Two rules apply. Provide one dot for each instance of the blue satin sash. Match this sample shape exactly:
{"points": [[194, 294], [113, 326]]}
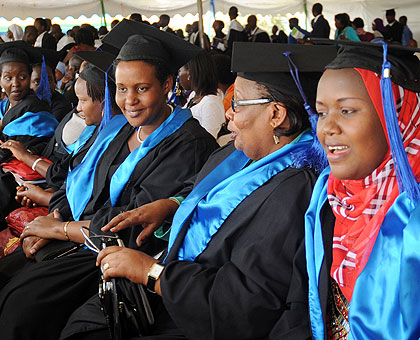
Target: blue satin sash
{"points": [[80, 180], [124, 171], [385, 298], [35, 124], [3, 107], [81, 141], [315, 251], [222, 190]]}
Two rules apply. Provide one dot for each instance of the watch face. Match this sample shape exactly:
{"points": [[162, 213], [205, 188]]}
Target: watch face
{"points": [[156, 270]]}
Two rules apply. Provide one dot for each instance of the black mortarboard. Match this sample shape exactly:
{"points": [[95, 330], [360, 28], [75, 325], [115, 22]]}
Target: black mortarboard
{"points": [[267, 64], [155, 44], [51, 57], [390, 11], [17, 51], [405, 66], [395, 64], [98, 63]]}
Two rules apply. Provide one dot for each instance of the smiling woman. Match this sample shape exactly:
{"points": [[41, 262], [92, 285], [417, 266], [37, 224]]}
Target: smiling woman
{"points": [[363, 221]]}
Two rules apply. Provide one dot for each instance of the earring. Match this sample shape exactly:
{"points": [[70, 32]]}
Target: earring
{"points": [[189, 78], [276, 139]]}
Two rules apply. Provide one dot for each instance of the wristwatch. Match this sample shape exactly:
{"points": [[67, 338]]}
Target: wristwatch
{"points": [[153, 275]]}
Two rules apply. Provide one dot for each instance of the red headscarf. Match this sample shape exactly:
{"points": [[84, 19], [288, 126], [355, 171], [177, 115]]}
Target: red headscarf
{"points": [[360, 206]]}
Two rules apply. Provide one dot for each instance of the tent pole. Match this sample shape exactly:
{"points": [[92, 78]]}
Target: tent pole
{"points": [[200, 22], [103, 12], [305, 8]]}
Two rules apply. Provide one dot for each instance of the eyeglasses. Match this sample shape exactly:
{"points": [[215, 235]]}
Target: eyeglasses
{"points": [[105, 239], [245, 102]]}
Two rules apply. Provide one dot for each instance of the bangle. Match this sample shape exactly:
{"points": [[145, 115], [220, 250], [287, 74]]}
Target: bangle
{"points": [[34, 164], [65, 230]]}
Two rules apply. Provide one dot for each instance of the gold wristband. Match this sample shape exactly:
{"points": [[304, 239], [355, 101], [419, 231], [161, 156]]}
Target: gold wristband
{"points": [[65, 230]]}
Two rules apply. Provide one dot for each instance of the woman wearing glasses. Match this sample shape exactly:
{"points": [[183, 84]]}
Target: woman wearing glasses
{"points": [[235, 267], [136, 158]]}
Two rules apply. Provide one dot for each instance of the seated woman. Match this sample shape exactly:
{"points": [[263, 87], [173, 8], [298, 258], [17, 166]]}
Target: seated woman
{"points": [[236, 250], [362, 225], [344, 29], [200, 76], [129, 164], [24, 118]]}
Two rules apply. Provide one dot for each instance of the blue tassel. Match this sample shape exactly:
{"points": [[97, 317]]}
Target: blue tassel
{"points": [[315, 157], [406, 180], [107, 115], [176, 93], [43, 91]]}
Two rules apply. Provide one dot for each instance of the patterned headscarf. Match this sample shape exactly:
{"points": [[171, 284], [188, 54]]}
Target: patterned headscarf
{"points": [[360, 206]]}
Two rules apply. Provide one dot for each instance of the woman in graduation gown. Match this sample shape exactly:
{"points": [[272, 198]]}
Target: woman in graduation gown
{"points": [[128, 165], [362, 226], [235, 267]]}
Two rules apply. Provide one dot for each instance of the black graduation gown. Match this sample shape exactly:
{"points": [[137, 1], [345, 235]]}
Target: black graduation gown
{"points": [[38, 299], [320, 28], [30, 103], [394, 32], [60, 106], [249, 283]]}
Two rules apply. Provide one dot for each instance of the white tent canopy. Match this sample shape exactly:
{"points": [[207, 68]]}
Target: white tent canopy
{"points": [[367, 9]]}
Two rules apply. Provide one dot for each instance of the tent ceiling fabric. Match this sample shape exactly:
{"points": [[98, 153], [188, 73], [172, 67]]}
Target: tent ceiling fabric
{"points": [[367, 9]]}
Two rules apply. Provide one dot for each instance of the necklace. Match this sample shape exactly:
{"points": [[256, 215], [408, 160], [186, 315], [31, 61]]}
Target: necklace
{"points": [[138, 135], [139, 130]]}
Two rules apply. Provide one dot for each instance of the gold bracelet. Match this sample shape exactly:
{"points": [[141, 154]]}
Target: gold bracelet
{"points": [[65, 230]]}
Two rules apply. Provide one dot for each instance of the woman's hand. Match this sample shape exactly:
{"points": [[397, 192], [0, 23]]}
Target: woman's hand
{"points": [[32, 195], [125, 262], [16, 148], [32, 244], [149, 216], [46, 227]]}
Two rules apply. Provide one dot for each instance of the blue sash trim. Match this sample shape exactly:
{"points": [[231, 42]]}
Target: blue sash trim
{"points": [[80, 180], [315, 251], [35, 124], [385, 298], [3, 107], [81, 141], [220, 192], [166, 129]]}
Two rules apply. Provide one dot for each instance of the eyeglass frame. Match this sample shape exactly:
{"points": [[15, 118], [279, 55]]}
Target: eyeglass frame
{"points": [[245, 102], [92, 246]]}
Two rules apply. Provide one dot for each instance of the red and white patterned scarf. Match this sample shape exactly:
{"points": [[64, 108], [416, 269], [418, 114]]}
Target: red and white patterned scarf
{"points": [[360, 206]]}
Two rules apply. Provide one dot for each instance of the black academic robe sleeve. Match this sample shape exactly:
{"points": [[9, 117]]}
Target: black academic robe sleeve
{"points": [[36, 144], [48, 41], [250, 282], [160, 174]]}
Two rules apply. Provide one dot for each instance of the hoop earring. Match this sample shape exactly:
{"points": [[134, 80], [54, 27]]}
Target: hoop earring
{"points": [[276, 139]]}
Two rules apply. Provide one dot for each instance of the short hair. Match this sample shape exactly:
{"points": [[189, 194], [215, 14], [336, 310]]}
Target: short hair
{"points": [[224, 74], [294, 20], [165, 18], [114, 22], [136, 17], [298, 117], [203, 74], [221, 23], [317, 8], [31, 29], [233, 11], [103, 30], [403, 20], [85, 36], [358, 23], [97, 93], [42, 22]]}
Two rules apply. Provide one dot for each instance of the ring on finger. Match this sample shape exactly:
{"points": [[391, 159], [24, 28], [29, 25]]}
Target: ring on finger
{"points": [[106, 266]]}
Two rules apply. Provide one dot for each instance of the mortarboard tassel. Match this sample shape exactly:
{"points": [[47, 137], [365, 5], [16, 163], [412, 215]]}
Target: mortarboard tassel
{"points": [[406, 180], [176, 94], [315, 157], [107, 103], [43, 91]]}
